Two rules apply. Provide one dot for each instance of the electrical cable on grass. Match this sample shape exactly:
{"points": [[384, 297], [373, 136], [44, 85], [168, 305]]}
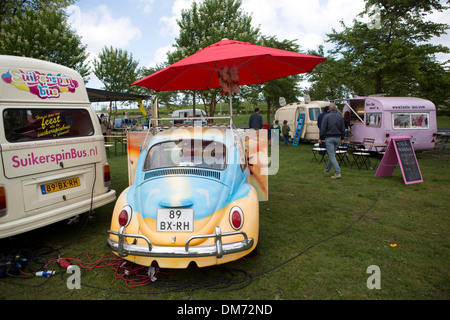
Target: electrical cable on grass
{"points": [[137, 276]]}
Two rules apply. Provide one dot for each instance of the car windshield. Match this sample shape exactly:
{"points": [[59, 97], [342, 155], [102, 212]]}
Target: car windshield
{"points": [[186, 153]]}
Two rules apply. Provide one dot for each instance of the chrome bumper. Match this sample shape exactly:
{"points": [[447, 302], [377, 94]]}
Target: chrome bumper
{"points": [[124, 249]]}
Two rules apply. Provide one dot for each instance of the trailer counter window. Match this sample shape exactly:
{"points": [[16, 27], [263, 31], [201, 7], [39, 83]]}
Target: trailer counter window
{"points": [[410, 120], [22, 124]]}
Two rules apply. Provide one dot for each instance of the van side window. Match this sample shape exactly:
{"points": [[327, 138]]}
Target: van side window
{"points": [[22, 124], [410, 120], [373, 120]]}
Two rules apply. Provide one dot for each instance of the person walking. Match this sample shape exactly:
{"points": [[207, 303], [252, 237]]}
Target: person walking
{"points": [[256, 120], [332, 131], [319, 123]]}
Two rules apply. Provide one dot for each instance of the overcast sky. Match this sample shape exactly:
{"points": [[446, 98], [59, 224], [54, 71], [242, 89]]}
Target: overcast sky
{"points": [[147, 28]]}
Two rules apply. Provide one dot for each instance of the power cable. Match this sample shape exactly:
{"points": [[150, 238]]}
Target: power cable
{"points": [[228, 280]]}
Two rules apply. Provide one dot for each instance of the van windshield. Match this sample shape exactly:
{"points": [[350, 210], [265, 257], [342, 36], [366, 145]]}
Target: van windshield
{"points": [[186, 153], [26, 124]]}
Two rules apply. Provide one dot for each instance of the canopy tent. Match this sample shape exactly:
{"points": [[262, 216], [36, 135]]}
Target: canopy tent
{"points": [[97, 95]]}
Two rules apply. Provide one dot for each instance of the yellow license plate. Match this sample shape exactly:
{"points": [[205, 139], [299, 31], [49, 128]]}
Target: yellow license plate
{"points": [[60, 185]]}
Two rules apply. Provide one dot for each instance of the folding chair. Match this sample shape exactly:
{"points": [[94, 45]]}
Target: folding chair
{"points": [[361, 159], [318, 151], [362, 147], [342, 152]]}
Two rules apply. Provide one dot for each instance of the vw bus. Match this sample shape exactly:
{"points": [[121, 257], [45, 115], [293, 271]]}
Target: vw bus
{"points": [[291, 113], [52, 149], [182, 116], [381, 118]]}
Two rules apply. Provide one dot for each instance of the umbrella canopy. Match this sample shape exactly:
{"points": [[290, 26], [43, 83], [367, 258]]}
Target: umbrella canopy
{"points": [[228, 64]]}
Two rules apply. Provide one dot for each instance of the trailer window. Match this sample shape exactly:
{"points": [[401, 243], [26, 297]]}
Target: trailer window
{"points": [[314, 114], [373, 120], [410, 121], [22, 124]]}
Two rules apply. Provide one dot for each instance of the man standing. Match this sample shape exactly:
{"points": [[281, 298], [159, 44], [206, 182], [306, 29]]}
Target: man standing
{"points": [[256, 120], [323, 114], [332, 130]]}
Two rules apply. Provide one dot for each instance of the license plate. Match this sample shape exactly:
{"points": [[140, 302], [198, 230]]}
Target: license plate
{"points": [[175, 220], [60, 185]]}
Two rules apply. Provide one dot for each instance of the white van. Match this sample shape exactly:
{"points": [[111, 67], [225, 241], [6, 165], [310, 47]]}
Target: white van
{"points": [[291, 113], [179, 116], [52, 149]]}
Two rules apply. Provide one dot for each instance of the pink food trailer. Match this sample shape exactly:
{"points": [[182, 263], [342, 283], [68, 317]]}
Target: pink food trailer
{"points": [[381, 118]]}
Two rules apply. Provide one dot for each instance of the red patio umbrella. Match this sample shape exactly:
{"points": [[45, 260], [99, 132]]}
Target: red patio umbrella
{"points": [[228, 64]]}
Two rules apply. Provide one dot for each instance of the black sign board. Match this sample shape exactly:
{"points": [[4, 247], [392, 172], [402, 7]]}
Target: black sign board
{"points": [[400, 150], [408, 161]]}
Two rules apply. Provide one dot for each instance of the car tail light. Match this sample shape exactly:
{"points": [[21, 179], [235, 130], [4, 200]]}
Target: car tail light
{"points": [[125, 216], [236, 218], [106, 175], [2, 201]]}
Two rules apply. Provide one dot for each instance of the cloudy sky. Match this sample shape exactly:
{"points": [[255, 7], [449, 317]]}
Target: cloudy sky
{"points": [[147, 28]]}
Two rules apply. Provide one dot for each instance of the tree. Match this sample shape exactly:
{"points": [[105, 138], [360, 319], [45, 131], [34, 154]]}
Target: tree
{"points": [[207, 23], [328, 78], [41, 33], [116, 68], [12, 8], [394, 56]]}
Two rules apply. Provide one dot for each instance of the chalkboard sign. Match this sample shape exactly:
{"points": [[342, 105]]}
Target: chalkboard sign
{"points": [[408, 161], [400, 150]]}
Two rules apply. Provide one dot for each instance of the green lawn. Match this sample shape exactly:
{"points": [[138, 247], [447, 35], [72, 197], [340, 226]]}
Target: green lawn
{"points": [[305, 253]]}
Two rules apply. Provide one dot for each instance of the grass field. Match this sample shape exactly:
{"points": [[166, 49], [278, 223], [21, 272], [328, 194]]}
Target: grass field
{"points": [[318, 237]]}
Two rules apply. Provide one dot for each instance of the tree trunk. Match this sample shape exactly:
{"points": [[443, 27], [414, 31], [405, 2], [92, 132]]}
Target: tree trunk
{"points": [[268, 110]]}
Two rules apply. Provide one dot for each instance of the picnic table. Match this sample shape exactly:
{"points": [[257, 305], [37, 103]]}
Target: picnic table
{"points": [[113, 140], [443, 140]]}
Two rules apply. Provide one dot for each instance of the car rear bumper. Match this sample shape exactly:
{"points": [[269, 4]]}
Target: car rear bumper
{"points": [[123, 249]]}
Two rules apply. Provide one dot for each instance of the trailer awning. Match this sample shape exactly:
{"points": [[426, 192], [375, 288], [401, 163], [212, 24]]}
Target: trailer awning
{"points": [[97, 95]]}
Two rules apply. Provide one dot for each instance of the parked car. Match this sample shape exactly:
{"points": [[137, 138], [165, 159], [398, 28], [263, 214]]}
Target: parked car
{"points": [[191, 201]]}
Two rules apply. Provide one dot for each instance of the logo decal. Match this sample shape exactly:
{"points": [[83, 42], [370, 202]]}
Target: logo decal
{"points": [[45, 86]]}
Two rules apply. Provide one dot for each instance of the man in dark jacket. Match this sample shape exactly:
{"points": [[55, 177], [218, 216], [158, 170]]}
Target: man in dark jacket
{"points": [[319, 123], [332, 130], [256, 120]]}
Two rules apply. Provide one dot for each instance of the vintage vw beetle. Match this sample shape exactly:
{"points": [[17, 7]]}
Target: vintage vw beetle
{"points": [[191, 201]]}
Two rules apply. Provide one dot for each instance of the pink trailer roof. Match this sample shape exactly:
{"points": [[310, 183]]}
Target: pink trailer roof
{"points": [[400, 103]]}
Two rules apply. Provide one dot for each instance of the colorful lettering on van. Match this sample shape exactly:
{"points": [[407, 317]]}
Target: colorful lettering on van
{"points": [[45, 86], [31, 159]]}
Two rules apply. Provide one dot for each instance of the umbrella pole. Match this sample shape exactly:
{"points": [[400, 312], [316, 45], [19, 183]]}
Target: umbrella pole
{"points": [[231, 109]]}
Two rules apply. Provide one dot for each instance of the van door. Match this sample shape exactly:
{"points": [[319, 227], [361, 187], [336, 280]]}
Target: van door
{"points": [[52, 153]]}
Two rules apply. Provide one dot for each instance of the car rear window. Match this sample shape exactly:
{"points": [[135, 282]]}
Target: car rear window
{"points": [[186, 153], [24, 124]]}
